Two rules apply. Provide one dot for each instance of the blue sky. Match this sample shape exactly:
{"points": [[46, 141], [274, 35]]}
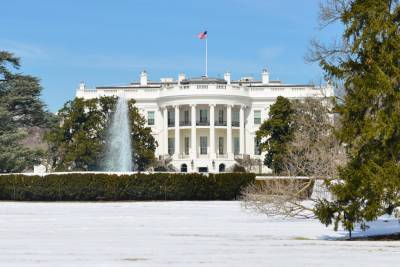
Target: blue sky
{"points": [[110, 42]]}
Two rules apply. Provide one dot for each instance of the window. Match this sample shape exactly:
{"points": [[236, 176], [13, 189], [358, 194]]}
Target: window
{"points": [[236, 145], [203, 115], [235, 118], [171, 117], [150, 117], [171, 146], [183, 168], [220, 145], [221, 167], [203, 145], [257, 149], [221, 116], [186, 117], [257, 116], [186, 145]]}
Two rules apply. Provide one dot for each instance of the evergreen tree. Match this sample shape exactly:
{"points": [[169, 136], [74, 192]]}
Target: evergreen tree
{"points": [[367, 64], [20, 109], [276, 132], [143, 142], [78, 143]]}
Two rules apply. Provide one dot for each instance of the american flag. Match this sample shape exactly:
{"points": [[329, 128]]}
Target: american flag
{"points": [[202, 35]]}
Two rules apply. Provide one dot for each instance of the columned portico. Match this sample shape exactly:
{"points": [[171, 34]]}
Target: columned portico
{"points": [[203, 126], [214, 132]]}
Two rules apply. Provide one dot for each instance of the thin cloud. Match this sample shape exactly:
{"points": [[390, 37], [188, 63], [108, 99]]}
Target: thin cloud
{"points": [[271, 53], [23, 50]]}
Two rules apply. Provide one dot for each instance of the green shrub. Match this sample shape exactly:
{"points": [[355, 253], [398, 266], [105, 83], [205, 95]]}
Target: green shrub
{"points": [[156, 186], [238, 168]]}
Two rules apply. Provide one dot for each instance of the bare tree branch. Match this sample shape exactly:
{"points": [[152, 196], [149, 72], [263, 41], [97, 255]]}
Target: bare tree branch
{"points": [[314, 152], [331, 11]]}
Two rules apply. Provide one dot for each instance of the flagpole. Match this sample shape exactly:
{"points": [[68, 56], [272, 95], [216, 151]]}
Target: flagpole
{"points": [[206, 54]]}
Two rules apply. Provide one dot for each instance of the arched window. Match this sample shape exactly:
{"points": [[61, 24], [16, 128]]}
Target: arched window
{"points": [[183, 168], [221, 167]]}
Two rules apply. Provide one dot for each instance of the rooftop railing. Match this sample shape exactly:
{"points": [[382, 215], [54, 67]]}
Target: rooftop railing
{"points": [[156, 91]]}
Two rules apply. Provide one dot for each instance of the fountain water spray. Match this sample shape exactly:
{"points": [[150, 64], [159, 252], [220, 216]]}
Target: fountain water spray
{"points": [[118, 157]]}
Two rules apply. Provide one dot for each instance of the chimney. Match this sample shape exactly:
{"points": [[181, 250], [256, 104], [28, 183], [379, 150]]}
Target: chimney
{"points": [[181, 77], [81, 86], [264, 76], [227, 77], [143, 78]]}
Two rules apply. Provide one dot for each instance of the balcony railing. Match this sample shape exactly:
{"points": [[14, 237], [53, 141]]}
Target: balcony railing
{"points": [[185, 123], [235, 123], [220, 123], [203, 123]]}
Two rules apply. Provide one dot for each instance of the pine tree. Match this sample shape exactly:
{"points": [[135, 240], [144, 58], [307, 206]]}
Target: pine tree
{"points": [[20, 109], [276, 132], [367, 64]]}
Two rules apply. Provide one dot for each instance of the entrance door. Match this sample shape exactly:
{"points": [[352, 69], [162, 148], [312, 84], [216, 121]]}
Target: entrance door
{"points": [[183, 168], [221, 167]]}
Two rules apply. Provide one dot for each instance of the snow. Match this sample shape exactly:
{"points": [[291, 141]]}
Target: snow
{"points": [[213, 233]]}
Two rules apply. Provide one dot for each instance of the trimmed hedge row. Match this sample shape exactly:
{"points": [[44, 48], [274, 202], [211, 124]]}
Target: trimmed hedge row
{"points": [[90, 186]]}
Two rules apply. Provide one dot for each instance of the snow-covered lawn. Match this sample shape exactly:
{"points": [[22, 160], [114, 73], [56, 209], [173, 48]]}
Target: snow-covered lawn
{"points": [[176, 234]]}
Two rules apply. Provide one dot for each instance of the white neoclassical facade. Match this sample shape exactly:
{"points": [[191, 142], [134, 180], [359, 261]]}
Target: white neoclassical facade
{"points": [[204, 124]]}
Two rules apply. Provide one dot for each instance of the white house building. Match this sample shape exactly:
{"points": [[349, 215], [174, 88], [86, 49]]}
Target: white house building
{"points": [[205, 123]]}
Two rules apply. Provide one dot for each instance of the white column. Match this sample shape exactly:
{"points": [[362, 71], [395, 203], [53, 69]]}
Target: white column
{"points": [[165, 126], [193, 136], [213, 155], [241, 132], [177, 132], [229, 131]]}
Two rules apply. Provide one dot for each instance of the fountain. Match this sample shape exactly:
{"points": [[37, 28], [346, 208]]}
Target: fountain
{"points": [[118, 156]]}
